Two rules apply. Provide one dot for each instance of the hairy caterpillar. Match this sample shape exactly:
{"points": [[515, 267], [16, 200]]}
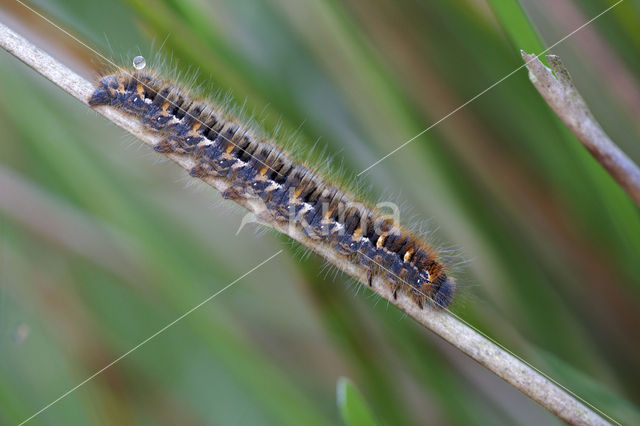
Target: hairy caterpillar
{"points": [[292, 193]]}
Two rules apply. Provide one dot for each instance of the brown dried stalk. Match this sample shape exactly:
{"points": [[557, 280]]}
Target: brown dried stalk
{"points": [[562, 96], [502, 363]]}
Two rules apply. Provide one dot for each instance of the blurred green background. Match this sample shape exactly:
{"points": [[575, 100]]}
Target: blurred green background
{"points": [[102, 242]]}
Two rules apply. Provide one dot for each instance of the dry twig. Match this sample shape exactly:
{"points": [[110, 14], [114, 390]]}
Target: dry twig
{"points": [[563, 97], [502, 363]]}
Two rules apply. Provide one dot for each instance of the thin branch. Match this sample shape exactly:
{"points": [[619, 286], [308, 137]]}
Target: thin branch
{"points": [[562, 96], [502, 363]]}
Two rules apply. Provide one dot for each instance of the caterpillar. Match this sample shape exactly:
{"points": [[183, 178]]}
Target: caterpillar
{"points": [[293, 194]]}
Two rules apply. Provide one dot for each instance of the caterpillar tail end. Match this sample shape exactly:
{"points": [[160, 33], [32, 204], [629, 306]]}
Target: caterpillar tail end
{"points": [[445, 293]]}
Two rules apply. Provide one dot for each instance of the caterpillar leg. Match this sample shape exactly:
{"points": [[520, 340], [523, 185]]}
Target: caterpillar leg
{"points": [[198, 172], [230, 194], [163, 147], [395, 287]]}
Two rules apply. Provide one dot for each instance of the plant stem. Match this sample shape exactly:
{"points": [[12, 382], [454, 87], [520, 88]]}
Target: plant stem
{"points": [[565, 100]]}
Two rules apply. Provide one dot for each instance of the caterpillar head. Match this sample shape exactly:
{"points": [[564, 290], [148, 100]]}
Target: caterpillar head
{"points": [[106, 91]]}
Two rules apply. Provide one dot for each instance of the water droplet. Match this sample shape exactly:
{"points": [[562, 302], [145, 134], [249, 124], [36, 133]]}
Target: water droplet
{"points": [[139, 62]]}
